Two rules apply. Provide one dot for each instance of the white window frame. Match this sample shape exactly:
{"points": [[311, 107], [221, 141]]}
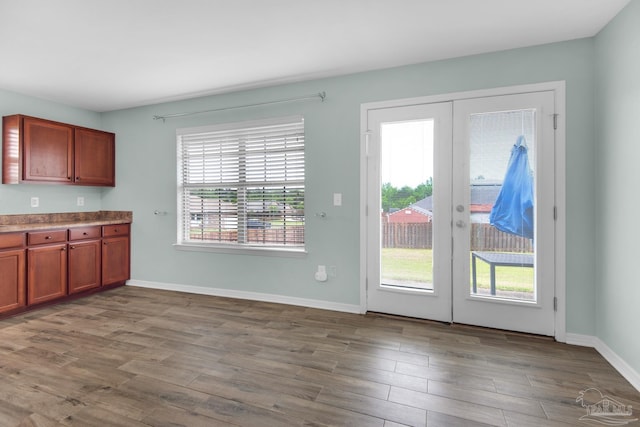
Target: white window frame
{"points": [[239, 247]]}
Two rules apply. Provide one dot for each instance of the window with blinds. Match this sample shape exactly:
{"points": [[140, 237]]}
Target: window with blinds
{"points": [[242, 184]]}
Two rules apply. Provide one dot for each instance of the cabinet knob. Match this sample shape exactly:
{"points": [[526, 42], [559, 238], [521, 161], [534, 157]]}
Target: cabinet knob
{"points": [[47, 238], [63, 249], [77, 178], [71, 247], [85, 233]]}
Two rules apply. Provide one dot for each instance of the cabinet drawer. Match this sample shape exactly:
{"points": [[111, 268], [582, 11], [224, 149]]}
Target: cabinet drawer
{"points": [[82, 233], [43, 237], [11, 240], [115, 230]]}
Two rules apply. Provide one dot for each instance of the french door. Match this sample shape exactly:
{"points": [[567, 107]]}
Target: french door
{"points": [[410, 147], [460, 223]]}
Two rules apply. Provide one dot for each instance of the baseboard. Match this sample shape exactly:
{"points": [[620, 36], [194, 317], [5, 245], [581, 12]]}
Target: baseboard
{"points": [[253, 296], [616, 361], [581, 340]]}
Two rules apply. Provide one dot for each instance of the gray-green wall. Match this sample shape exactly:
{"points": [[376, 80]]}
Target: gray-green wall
{"points": [[617, 179], [146, 172]]}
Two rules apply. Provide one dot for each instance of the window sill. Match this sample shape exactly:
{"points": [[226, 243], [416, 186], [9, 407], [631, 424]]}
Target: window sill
{"points": [[244, 250]]}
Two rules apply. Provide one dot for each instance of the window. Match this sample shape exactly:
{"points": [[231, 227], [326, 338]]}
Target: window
{"points": [[242, 185]]}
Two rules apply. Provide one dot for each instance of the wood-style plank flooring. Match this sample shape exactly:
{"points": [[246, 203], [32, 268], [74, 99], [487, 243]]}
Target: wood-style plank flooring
{"points": [[140, 357]]}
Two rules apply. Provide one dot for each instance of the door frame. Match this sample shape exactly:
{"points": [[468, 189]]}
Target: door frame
{"points": [[558, 87]]}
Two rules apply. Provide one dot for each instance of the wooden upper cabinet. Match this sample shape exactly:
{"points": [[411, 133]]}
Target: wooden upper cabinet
{"points": [[48, 149], [94, 157], [44, 151]]}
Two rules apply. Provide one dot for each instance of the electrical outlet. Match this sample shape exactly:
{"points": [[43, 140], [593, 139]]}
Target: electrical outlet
{"points": [[337, 199], [80, 201], [35, 202]]}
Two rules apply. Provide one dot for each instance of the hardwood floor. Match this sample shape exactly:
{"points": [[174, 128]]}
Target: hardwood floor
{"points": [[140, 357]]}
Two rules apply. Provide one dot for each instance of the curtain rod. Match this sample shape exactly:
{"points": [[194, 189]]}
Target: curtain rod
{"points": [[322, 95]]}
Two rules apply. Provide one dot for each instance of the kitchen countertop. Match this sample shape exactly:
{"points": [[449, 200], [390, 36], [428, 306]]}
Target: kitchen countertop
{"points": [[29, 222]]}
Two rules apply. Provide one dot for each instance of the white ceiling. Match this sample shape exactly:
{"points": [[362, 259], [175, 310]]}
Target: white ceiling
{"points": [[112, 54]]}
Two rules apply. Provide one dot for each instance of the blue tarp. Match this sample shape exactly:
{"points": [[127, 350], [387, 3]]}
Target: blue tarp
{"points": [[513, 210]]}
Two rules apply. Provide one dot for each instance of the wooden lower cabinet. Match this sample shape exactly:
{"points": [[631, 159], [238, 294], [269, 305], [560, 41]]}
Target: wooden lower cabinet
{"points": [[46, 273], [84, 266], [115, 260], [51, 265], [12, 278]]}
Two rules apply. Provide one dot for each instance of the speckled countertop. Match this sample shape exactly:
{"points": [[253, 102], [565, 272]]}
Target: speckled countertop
{"points": [[27, 222]]}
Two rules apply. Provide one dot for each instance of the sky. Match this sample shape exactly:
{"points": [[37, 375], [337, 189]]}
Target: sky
{"points": [[407, 147], [407, 152]]}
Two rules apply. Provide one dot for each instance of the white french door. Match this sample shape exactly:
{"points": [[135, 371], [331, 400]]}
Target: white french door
{"points": [[409, 147], [504, 239], [460, 224]]}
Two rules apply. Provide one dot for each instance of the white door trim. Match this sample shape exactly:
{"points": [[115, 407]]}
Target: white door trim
{"points": [[560, 190]]}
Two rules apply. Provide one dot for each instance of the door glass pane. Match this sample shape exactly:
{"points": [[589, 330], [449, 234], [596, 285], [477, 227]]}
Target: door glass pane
{"points": [[502, 201], [407, 204]]}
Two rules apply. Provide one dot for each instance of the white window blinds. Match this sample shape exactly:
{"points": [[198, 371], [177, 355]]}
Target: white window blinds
{"points": [[242, 184]]}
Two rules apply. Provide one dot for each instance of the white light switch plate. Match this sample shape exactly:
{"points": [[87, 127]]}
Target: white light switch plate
{"points": [[35, 202], [337, 199]]}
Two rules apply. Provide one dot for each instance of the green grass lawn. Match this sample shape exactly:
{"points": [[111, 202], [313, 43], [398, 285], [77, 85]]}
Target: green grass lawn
{"points": [[416, 265]]}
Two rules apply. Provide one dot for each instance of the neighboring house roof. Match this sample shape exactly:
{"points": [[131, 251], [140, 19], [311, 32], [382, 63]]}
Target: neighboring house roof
{"points": [[425, 205], [483, 196], [266, 206]]}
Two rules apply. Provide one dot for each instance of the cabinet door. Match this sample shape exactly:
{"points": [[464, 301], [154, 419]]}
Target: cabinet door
{"points": [[12, 285], [115, 260], [48, 148], [94, 157], [84, 266], [47, 273]]}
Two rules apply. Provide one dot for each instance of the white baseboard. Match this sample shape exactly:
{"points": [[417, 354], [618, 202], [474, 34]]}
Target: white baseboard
{"points": [[253, 296], [616, 361]]}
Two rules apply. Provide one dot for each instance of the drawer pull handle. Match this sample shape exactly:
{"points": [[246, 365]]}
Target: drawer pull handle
{"points": [[48, 238], [85, 234], [63, 249]]}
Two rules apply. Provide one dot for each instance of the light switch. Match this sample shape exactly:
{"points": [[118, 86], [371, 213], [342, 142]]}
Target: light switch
{"points": [[80, 201], [337, 199], [35, 202]]}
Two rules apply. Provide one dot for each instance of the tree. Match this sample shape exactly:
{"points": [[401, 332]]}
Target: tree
{"points": [[394, 198], [424, 190], [389, 193]]}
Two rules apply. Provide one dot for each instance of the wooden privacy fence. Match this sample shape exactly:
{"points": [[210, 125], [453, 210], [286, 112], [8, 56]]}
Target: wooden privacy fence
{"points": [[484, 237], [292, 235]]}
